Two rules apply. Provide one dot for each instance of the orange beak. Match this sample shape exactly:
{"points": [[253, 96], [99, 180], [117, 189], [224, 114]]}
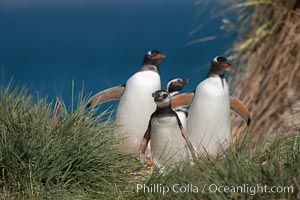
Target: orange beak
{"points": [[225, 65], [159, 57]]}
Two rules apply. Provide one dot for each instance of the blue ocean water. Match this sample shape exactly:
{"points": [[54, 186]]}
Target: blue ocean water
{"points": [[48, 46]]}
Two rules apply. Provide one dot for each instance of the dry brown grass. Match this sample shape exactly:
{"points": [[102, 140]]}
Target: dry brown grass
{"points": [[268, 80]]}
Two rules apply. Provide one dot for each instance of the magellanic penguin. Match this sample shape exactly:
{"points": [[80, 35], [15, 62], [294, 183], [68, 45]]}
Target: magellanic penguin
{"points": [[174, 86], [136, 104], [208, 125], [168, 139]]}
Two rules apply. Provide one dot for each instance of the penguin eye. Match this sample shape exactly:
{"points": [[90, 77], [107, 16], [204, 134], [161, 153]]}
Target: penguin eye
{"points": [[149, 53], [165, 95]]}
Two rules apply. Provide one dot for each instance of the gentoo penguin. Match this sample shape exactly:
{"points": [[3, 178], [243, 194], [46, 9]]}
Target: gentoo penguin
{"points": [[136, 104], [173, 87], [209, 114], [168, 138]]}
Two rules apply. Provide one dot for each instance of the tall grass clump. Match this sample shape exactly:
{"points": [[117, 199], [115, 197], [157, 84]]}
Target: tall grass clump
{"points": [[274, 161], [267, 53], [68, 155]]}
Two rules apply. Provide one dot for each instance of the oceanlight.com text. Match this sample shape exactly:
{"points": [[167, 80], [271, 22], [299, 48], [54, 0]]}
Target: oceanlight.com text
{"points": [[250, 189]]}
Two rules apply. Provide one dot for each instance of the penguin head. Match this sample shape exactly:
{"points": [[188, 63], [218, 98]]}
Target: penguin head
{"points": [[219, 64], [153, 57], [176, 84], [161, 98]]}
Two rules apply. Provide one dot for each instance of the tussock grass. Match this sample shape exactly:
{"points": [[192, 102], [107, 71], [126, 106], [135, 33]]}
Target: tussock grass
{"points": [[274, 161], [72, 155], [267, 54]]}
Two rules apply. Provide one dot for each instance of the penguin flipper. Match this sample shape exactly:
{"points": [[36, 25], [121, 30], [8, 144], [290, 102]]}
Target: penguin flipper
{"points": [[186, 138], [189, 143], [237, 106], [144, 144], [109, 94], [183, 99]]}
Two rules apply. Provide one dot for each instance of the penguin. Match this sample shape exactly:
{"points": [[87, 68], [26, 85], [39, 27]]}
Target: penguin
{"points": [[136, 104], [168, 139], [209, 114], [174, 86]]}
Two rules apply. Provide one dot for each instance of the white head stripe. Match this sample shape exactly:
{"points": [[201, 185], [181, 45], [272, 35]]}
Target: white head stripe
{"points": [[149, 53], [169, 83], [216, 59]]}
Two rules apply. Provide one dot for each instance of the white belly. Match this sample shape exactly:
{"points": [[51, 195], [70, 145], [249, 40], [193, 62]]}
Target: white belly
{"points": [[166, 142], [135, 108], [209, 116]]}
